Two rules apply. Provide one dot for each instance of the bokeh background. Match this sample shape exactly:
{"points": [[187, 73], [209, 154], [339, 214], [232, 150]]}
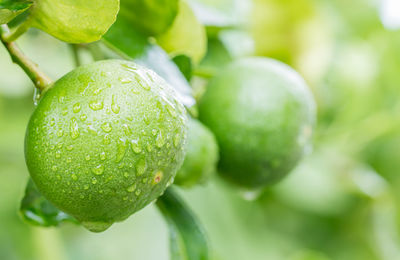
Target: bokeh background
{"points": [[341, 202]]}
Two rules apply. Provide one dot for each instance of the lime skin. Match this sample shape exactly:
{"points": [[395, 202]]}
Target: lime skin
{"points": [[106, 140], [262, 114], [201, 156]]}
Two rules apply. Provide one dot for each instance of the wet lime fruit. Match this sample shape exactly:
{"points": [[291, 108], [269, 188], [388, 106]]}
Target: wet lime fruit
{"points": [[105, 141], [201, 156], [262, 114]]}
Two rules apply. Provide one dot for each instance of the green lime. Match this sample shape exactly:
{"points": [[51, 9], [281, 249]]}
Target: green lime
{"points": [[201, 155], [105, 141], [262, 114]]}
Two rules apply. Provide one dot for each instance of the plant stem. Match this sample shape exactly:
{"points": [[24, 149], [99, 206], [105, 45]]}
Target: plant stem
{"points": [[75, 54], [41, 80]]}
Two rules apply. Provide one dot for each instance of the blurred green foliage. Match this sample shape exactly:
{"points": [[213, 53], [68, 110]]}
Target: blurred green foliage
{"points": [[342, 201]]}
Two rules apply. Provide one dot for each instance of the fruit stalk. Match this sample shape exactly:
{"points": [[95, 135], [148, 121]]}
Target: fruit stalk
{"points": [[41, 80]]}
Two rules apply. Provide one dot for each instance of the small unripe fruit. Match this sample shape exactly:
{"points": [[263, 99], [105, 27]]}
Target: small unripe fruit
{"points": [[262, 114], [201, 156], [105, 141]]}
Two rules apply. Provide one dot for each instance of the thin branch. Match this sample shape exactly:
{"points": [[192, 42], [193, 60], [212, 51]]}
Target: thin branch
{"points": [[41, 80]]}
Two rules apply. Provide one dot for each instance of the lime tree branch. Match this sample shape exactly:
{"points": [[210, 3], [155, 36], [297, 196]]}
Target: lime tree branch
{"points": [[41, 80]]}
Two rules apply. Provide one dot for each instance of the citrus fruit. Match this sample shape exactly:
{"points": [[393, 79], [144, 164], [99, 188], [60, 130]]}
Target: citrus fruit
{"points": [[105, 141], [262, 114], [201, 155]]}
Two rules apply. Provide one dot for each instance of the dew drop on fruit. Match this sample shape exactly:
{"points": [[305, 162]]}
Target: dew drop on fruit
{"points": [[52, 122], [177, 139], [76, 108], [141, 167], [106, 127], [87, 157], [36, 96], [94, 180], [125, 80], [142, 82], [114, 106], [136, 146], [107, 139], [126, 129], [83, 117], [96, 105], [154, 131], [60, 133], [160, 140], [98, 170], [58, 154], [126, 174], [149, 147], [131, 188], [86, 187], [103, 156], [138, 192], [54, 168], [70, 147], [146, 119], [74, 130], [121, 149], [74, 177]]}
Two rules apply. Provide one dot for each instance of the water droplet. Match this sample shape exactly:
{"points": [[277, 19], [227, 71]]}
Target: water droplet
{"points": [[61, 98], [70, 147], [52, 122], [127, 130], [144, 180], [131, 188], [59, 145], [87, 157], [36, 96], [128, 67], [149, 147], [91, 129], [141, 166], [121, 148], [137, 192], [125, 80], [97, 91], [82, 196], [177, 139], [154, 131], [142, 82], [98, 170], [107, 139], [146, 119], [60, 133], [96, 105], [129, 118], [69, 160], [126, 174], [58, 154], [94, 180], [74, 177], [136, 146], [103, 156], [86, 187], [106, 127], [83, 117], [125, 198], [76, 108], [54, 168], [114, 106], [64, 111], [74, 130], [160, 141], [171, 111]]}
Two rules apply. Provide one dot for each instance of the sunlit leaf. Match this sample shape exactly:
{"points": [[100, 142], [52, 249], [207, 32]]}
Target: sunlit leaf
{"points": [[149, 17], [37, 210], [187, 238], [75, 21], [9, 9], [186, 35]]}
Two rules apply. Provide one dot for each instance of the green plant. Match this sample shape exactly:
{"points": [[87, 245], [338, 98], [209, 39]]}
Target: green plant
{"points": [[262, 114]]}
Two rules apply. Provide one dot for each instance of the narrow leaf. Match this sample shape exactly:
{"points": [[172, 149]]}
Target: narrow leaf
{"points": [[37, 210], [9, 9], [187, 238]]}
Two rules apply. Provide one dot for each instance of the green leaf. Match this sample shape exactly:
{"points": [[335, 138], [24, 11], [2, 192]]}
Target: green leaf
{"points": [[150, 17], [37, 210], [75, 21], [131, 44], [9, 9], [185, 36], [184, 64], [187, 238]]}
